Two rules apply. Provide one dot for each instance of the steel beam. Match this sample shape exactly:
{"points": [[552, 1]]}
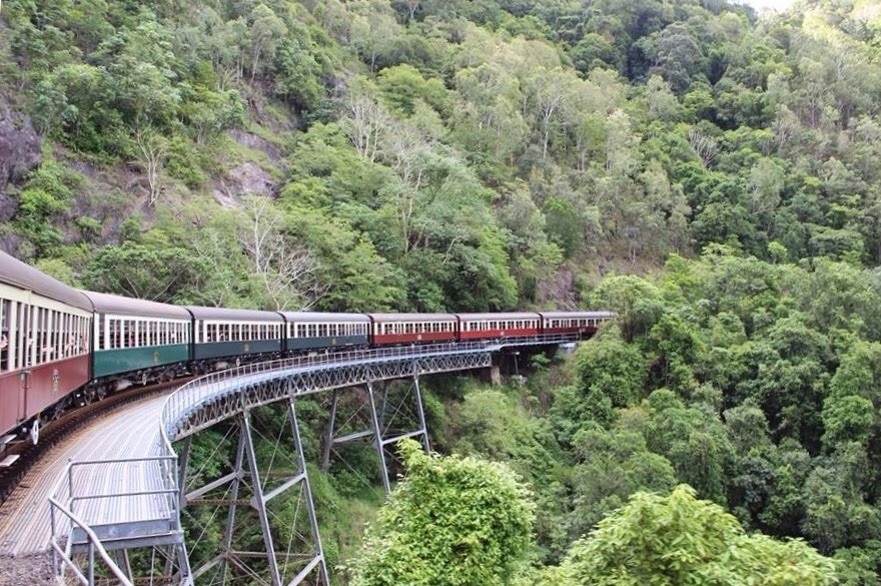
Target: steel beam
{"points": [[377, 439], [318, 559], [258, 499]]}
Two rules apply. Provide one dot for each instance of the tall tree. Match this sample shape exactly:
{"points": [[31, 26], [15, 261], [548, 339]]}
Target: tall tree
{"points": [[450, 522]]}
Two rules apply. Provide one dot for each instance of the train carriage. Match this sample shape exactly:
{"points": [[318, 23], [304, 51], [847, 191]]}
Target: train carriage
{"points": [[141, 339], [474, 326], [220, 333], [573, 322], [44, 350], [318, 331], [408, 328]]}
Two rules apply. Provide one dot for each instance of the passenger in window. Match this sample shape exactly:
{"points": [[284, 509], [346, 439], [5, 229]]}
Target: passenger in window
{"points": [[70, 347], [4, 345]]}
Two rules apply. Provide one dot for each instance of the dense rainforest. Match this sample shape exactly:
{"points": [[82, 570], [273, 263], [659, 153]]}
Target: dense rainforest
{"points": [[711, 174]]}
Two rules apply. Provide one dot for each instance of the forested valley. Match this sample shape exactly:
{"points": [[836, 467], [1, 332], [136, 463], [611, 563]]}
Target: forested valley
{"points": [[710, 174]]}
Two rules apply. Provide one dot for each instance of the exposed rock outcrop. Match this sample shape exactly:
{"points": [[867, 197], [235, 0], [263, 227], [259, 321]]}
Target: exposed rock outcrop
{"points": [[19, 144]]}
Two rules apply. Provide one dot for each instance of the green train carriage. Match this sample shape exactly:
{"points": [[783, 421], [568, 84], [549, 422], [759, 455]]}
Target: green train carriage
{"points": [[306, 330], [138, 341], [225, 337]]}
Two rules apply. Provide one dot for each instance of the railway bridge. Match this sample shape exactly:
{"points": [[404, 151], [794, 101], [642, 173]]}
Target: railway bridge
{"points": [[259, 494]]}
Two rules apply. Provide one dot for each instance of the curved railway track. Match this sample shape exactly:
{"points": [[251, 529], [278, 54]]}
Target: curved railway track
{"points": [[58, 430]]}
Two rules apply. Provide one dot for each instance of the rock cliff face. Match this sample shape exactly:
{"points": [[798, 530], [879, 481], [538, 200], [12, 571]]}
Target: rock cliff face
{"points": [[19, 144]]}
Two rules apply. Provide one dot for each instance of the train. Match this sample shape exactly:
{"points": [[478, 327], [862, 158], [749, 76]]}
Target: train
{"points": [[62, 347]]}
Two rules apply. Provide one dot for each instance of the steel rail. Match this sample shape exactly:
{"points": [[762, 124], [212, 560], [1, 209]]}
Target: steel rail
{"points": [[94, 546]]}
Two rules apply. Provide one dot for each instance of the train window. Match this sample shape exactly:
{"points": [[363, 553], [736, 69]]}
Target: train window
{"points": [[4, 335], [20, 341], [69, 338], [57, 331], [112, 336], [61, 346]]}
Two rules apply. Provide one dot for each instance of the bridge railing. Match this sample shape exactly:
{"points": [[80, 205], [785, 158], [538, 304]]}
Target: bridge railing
{"points": [[207, 386], [94, 546]]}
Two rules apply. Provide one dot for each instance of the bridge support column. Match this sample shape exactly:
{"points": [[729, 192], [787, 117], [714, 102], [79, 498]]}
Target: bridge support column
{"points": [[394, 412], [280, 501]]}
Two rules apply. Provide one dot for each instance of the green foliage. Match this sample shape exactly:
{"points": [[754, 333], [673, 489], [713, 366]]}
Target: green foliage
{"points": [[678, 539], [144, 272], [480, 519], [611, 368]]}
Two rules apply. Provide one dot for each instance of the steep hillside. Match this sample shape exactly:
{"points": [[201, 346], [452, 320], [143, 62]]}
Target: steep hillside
{"points": [[429, 154]]}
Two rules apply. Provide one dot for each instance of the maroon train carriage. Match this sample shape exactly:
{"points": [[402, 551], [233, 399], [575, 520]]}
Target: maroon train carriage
{"points": [[573, 322], [408, 328], [44, 347], [474, 326]]}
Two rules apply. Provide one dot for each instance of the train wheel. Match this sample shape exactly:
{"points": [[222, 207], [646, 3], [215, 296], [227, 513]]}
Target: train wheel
{"points": [[34, 433]]}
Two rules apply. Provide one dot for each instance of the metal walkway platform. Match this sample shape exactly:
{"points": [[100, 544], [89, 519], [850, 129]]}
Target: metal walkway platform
{"points": [[128, 432]]}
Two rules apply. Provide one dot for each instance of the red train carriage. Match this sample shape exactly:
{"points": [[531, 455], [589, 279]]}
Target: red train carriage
{"points": [[44, 346], [408, 328], [573, 322], [474, 326]]}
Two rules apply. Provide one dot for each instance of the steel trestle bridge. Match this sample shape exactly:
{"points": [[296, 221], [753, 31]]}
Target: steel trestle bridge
{"points": [[102, 538]]}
